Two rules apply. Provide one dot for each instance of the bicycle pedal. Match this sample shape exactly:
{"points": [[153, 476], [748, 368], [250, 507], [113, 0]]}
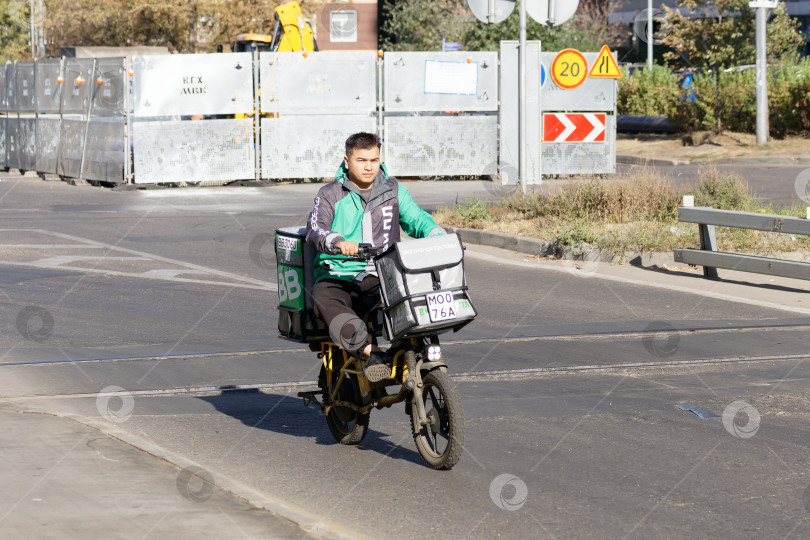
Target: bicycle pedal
{"points": [[310, 399]]}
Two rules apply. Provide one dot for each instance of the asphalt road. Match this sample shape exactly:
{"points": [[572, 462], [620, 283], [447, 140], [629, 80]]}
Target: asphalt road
{"points": [[569, 380]]}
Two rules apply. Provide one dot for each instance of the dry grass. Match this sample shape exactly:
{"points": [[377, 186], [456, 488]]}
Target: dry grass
{"points": [[634, 213]]}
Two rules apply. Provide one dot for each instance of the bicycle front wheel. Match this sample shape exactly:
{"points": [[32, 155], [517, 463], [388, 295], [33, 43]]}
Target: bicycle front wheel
{"points": [[440, 441]]}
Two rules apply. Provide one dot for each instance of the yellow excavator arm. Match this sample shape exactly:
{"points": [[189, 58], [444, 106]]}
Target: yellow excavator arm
{"points": [[291, 34], [296, 35]]}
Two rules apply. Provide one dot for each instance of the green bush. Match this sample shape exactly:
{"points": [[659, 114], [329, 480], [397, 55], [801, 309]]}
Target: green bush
{"points": [[658, 92], [789, 98], [649, 92], [738, 104]]}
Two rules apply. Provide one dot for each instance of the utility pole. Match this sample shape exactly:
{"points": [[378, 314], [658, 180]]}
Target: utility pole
{"points": [[522, 98], [649, 34], [32, 34], [762, 76]]}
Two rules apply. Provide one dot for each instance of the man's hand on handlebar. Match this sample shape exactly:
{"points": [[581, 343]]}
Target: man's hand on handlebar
{"points": [[347, 248]]}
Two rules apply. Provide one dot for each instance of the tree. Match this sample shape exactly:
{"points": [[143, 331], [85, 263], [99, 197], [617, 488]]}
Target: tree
{"points": [[420, 26], [116, 23], [722, 35], [180, 25], [14, 20]]}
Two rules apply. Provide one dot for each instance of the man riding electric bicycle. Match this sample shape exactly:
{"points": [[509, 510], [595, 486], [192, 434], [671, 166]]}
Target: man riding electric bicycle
{"points": [[362, 205]]}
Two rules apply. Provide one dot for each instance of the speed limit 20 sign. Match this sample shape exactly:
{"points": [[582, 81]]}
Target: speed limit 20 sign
{"points": [[569, 69]]}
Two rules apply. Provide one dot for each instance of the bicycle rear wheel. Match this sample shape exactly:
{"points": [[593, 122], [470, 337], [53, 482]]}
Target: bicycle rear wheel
{"points": [[347, 425]]}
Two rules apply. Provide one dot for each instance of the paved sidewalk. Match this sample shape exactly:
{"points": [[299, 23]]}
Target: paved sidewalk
{"points": [[768, 161], [63, 479]]}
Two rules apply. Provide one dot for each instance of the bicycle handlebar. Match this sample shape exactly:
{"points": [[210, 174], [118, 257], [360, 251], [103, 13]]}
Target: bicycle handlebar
{"points": [[365, 252]]}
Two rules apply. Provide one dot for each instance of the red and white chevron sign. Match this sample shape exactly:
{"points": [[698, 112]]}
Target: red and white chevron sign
{"points": [[574, 127]]}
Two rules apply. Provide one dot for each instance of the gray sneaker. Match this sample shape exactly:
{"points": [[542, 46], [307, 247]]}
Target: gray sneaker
{"points": [[378, 366]]}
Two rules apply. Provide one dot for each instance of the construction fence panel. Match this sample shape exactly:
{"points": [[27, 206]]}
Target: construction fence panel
{"points": [[26, 144], [441, 81], [193, 84], [76, 85], [329, 82], [3, 142], [104, 155], [26, 99], [220, 150], [441, 145], [48, 87], [109, 87], [48, 134], [71, 147], [12, 140], [3, 90], [11, 88], [308, 146]]}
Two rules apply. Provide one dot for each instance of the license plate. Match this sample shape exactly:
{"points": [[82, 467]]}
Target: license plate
{"points": [[441, 306]]}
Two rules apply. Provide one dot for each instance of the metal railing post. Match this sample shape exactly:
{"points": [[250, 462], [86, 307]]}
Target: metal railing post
{"points": [[708, 242], [257, 118], [380, 104], [60, 86], [128, 155], [87, 121]]}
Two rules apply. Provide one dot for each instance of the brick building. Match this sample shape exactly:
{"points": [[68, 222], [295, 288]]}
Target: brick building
{"points": [[347, 26]]}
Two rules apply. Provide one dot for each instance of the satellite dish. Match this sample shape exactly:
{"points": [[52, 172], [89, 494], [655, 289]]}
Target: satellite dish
{"points": [[501, 9], [551, 12]]}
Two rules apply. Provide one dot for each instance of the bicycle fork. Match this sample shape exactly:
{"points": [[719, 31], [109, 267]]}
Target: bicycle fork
{"points": [[414, 382]]}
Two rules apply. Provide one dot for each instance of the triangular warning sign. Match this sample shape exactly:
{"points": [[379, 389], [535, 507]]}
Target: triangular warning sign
{"points": [[605, 66]]}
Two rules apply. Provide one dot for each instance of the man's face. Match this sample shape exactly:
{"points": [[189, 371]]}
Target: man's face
{"points": [[363, 165]]}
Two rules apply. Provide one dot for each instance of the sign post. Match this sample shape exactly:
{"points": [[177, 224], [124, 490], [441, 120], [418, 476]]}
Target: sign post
{"points": [[762, 66], [546, 12], [522, 169]]}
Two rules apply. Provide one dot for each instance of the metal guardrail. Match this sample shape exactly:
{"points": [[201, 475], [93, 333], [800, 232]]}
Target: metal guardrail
{"points": [[710, 259]]}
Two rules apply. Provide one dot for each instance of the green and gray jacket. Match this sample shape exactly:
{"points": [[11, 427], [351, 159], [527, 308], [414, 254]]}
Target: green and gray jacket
{"points": [[341, 214]]}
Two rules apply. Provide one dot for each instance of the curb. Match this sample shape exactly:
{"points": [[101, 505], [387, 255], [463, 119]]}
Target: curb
{"points": [[543, 248], [635, 160], [522, 244], [625, 159], [305, 520], [769, 160]]}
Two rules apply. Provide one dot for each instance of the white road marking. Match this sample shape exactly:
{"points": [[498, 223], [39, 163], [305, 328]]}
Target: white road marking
{"points": [[51, 262], [168, 272], [49, 246], [246, 282], [80, 269]]}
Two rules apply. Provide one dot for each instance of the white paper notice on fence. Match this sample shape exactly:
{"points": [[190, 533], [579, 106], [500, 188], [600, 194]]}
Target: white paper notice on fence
{"points": [[190, 84], [451, 77]]}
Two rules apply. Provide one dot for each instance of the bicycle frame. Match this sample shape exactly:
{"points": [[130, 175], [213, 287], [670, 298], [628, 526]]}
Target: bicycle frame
{"points": [[350, 366]]}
